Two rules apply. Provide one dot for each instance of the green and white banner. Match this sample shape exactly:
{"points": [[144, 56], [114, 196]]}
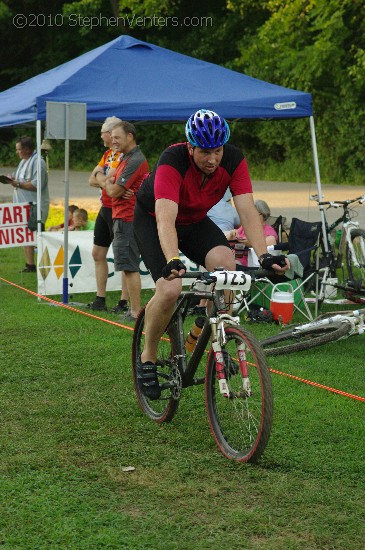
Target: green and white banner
{"points": [[81, 267]]}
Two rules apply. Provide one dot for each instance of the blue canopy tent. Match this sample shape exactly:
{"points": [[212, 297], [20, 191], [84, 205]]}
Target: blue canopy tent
{"points": [[139, 81]]}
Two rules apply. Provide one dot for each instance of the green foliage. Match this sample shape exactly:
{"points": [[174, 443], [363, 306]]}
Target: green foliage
{"points": [[316, 46]]}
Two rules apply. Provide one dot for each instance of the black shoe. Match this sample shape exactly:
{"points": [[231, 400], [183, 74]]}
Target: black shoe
{"points": [[147, 379], [97, 305], [29, 268], [121, 307]]}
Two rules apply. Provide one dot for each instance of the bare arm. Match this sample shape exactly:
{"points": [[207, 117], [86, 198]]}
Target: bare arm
{"points": [[251, 223], [117, 191], [27, 185], [253, 227], [93, 182], [98, 178], [166, 212]]}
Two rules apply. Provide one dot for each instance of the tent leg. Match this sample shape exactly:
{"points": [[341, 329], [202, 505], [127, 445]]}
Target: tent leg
{"points": [[318, 181], [39, 185], [320, 196]]}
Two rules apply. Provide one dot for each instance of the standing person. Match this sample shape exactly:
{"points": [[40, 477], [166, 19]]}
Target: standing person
{"points": [[103, 228], [171, 215], [122, 187], [225, 215], [25, 188]]}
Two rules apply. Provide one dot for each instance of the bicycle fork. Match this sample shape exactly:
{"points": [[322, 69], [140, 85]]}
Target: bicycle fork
{"points": [[219, 338]]}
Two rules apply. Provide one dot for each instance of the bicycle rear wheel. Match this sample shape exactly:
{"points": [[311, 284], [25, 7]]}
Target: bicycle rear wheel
{"points": [[241, 422], [356, 274], [289, 342], [163, 409]]}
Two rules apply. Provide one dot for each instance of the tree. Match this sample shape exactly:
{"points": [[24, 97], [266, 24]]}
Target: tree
{"points": [[316, 46]]}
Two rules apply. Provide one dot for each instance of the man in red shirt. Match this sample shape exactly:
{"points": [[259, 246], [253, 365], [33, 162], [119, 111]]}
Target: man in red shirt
{"points": [[171, 215], [103, 229], [122, 187]]}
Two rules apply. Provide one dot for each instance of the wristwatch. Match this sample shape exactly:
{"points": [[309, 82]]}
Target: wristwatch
{"points": [[18, 184]]}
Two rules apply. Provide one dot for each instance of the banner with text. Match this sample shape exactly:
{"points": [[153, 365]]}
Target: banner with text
{"points": [[81, 267], [13, 226]]}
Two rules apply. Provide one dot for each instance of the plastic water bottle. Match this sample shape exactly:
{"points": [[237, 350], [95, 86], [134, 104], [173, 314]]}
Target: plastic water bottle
{"points": [[194, 334]]}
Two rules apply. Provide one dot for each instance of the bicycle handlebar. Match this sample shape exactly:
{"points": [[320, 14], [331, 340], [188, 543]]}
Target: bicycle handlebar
{"points": [[208, 277], [337, 204]]}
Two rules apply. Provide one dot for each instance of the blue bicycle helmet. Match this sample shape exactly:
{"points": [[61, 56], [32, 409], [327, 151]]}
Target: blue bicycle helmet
{"points": [[207, 130]]}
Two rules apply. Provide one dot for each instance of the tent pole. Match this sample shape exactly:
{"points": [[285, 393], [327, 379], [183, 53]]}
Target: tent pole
{"points": [[39, 186], [65, 229], [318, 181], [39, 174], [321, 211]]}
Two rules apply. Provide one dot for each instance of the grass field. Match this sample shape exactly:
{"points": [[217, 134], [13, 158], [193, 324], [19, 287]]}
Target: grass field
{"points": [[70, 424]]}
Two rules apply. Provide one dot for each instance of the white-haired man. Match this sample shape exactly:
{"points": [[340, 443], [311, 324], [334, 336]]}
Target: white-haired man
{"points": [[103, 229]]}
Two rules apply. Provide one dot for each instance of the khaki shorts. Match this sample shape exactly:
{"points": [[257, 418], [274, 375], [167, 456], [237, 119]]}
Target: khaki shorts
{"points": [[126, 253]]}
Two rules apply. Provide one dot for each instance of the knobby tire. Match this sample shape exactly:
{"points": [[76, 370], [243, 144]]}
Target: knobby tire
{"points": [[356, 274], [241, 425], [289, 342], [163, 409]]}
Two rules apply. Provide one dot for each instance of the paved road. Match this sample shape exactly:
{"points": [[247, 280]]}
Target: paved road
{"points": [[287, 199]]}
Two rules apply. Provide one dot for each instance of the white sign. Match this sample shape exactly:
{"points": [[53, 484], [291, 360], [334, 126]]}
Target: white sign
{"points": [[65, 120], [81, 267], [13, 226], [285, 106]]}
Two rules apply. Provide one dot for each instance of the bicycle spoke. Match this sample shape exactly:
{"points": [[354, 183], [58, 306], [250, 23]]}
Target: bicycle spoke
{"points": [[163, 409], [240, 422]]}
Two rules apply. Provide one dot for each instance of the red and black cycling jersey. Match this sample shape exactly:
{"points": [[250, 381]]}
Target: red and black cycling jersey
{"points": [[176, 177]]}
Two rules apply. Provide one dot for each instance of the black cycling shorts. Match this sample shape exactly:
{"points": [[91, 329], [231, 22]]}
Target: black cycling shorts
{"points": [[195, 240], [103, 228]]}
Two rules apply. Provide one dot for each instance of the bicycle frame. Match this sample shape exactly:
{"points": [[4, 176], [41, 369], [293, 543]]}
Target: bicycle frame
{"points": [[213, 329], [240, 418], [336, 261], [354, 318]]}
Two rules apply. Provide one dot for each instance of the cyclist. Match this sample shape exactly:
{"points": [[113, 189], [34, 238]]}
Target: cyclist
{"points": [[171, 215]]}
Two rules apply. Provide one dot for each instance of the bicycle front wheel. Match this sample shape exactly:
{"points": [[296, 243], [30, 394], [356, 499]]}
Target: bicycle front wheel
{"points": [[356, 274], [290, 341], [164, 408], [241, 421]]}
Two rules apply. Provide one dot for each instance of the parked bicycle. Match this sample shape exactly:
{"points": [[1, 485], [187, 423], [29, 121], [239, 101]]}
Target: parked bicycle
{"points": [[238, 390], [354, 293], [328, 327], [351, 247]]}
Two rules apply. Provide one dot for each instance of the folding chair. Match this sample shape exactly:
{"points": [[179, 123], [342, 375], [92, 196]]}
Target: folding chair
{"points": [[303, 241], [279, 224]]}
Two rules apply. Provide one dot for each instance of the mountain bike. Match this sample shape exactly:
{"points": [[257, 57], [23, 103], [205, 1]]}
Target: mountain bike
{"points": [[328, 327], [351, 248], [238, 390]]}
